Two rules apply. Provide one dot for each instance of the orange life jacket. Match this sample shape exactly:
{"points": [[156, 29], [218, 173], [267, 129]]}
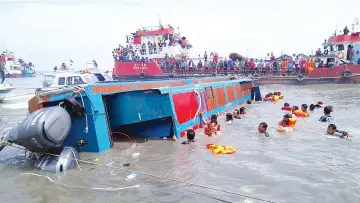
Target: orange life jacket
{"points": [[292, 122], [286, 108], [300, 113], [275, 98]]}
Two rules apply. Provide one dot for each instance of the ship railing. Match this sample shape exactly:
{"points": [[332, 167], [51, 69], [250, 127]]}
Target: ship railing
{"points": [[266, 72]]}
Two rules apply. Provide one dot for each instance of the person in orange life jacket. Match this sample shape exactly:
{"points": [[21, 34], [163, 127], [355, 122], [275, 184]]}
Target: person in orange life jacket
{"points": [[327, 117], [286, 107], [212, 128], [333, 131], [190, 134], [292, 119], [320, 104], [303, 112], [262, 129], [268, 97], [295, 109], [284, 126], [236, 114]]}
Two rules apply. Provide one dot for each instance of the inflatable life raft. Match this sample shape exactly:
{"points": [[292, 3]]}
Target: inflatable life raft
{"points": [[219, 149]]}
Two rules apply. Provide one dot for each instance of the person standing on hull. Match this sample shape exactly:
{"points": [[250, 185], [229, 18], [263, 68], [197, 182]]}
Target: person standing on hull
{"points": [[2, 68]]}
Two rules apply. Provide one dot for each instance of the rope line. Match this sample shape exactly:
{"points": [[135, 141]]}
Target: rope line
{"points": [[154, 176]]}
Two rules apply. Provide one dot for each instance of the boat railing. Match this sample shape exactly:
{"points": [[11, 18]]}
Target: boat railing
{"points": [[243, 71]]}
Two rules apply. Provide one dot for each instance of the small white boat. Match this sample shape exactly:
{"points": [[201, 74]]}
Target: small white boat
{"points": [[62, 79], [4, 90]]}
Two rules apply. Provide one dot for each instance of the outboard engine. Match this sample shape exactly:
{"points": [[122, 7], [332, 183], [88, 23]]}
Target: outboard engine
{"points": [[41, 130], [67, 159]]}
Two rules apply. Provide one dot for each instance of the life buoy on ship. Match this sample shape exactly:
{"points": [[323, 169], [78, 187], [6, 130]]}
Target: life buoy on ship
{"points": [[340, 55], [347, 73], [300, 77], [142, 75]]}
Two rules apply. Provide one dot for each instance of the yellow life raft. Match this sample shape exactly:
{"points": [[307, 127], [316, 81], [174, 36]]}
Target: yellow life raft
{"points": [[219, 149]]}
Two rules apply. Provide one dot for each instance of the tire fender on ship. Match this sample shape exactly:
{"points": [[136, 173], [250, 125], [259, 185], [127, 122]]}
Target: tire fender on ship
{"points": [[256, 76], [300, 77], [347, 73], [340, 55], [142, 75], [213, 75]]}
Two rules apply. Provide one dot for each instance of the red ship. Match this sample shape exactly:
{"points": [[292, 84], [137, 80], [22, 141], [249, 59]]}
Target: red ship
{"points": [[340, 65], [146, 50]]}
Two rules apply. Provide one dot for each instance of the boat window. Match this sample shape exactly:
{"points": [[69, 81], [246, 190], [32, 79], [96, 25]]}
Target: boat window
{"points": [[100, 77], [61, 81], [340, 47], [90, 78], [48, 80], [74, 80]]}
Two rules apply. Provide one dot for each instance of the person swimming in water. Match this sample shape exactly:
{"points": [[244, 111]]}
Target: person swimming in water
{"points": [[327, 117], [295, 109], [249, 101], [236, 114], [229, 118], [242, 111], [320, 104], [311, 107], [262, 129], [286, 107], [190, 134], [333, 131]]}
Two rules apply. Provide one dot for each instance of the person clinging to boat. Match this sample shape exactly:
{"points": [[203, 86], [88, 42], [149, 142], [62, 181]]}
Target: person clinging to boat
{"points": [[213, 127], [333, 131]]}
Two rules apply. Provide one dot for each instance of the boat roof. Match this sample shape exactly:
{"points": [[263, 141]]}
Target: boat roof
{"points": [[75, 73], [341, 39]]}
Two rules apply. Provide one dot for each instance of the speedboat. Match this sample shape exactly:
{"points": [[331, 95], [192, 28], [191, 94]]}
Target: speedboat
{"points": [[4, 90]]}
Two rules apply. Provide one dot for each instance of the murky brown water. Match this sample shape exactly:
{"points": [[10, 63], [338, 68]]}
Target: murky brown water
{"points": [[304, 166]]}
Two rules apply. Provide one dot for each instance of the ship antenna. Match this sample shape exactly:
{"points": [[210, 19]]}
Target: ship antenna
{"points": [[160, 24]]}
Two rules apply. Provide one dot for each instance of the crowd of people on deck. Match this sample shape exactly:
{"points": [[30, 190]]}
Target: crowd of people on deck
{"points": [[286, 124]]}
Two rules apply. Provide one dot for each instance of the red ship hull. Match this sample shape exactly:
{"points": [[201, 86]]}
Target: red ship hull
{"points": [[338, 74], [137, 70]]}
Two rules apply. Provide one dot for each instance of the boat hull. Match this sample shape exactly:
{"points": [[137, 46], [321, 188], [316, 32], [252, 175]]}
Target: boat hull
{"points": [[155, 109], [337, 75], [13, 75], [4, 90]]}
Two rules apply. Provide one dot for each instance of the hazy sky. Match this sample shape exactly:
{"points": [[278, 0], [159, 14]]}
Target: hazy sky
{"points": [[49, 33]]}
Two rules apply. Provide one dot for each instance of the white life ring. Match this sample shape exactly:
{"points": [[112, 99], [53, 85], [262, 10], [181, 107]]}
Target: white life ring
{"points": [[300, 77]]}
